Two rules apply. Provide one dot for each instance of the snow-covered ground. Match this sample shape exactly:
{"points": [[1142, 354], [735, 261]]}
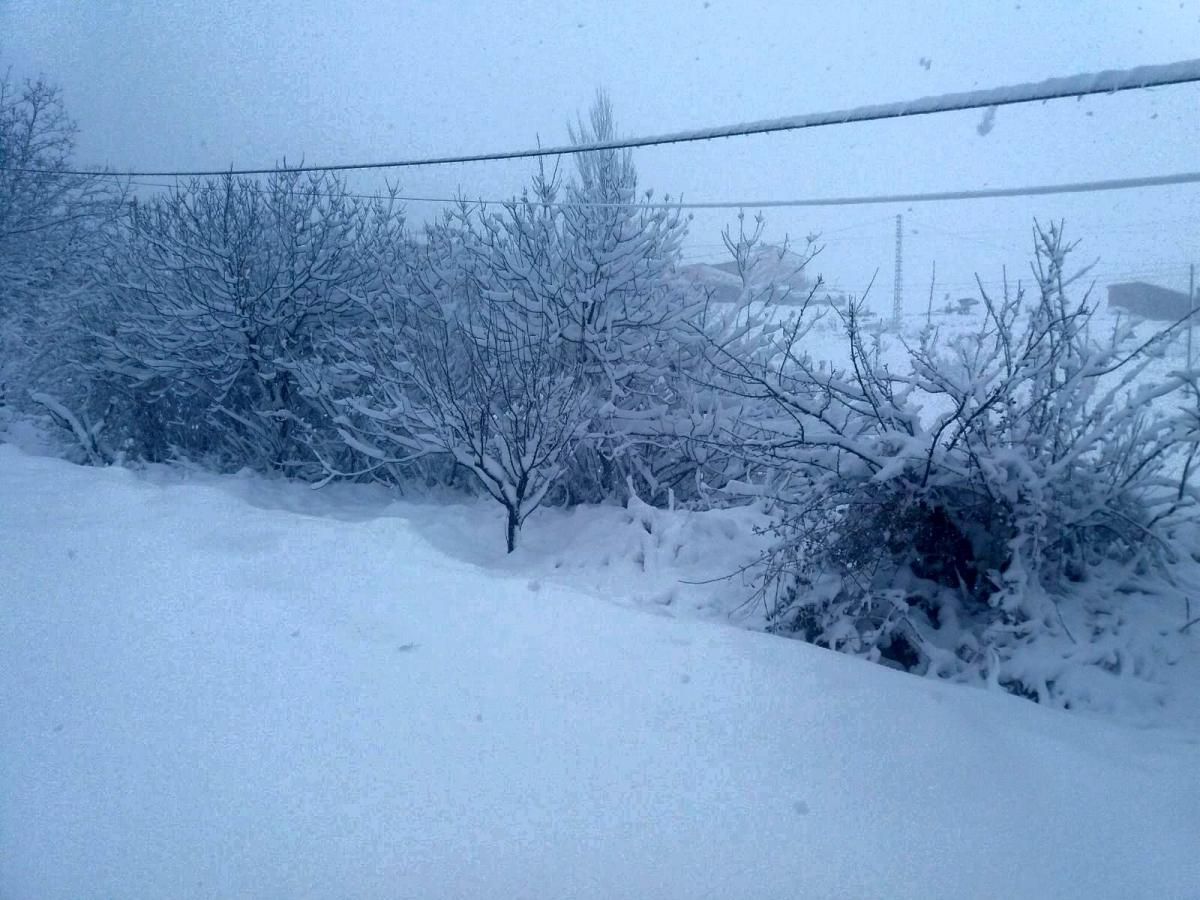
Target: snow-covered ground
{"points": [[228, 687]]}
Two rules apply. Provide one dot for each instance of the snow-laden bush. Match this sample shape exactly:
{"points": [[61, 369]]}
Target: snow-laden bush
{"points": [[211, 299], [986, 514], [715, 424], [51, 228]]}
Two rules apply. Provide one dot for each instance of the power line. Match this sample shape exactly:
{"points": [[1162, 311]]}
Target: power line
{"points": [[1078, 187], [1157, 225], [1107, 82]]}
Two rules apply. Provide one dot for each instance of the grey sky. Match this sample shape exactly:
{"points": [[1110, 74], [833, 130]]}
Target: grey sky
{"points": [[191, 84]]}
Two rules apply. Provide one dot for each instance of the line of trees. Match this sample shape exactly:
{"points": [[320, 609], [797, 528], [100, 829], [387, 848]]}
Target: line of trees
{"points": [[551, 352]]}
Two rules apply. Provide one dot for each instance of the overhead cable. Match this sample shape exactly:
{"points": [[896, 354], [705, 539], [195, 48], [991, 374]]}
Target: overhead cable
{"points": [[1077, 187], [1107, 82]]}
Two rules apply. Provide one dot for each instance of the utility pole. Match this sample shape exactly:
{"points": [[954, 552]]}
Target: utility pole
{"points": [[1191, 310], [929, 307], [898, 288]]}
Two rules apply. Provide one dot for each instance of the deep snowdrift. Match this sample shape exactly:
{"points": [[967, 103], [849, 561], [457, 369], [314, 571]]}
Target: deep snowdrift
{"points": [[206, 694]]}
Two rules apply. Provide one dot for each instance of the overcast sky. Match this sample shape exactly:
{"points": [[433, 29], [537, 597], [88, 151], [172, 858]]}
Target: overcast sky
{"points": [[208, 84]]}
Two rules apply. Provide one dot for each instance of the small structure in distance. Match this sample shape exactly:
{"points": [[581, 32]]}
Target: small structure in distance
{"points": [[1149, 301], [771, 265]]}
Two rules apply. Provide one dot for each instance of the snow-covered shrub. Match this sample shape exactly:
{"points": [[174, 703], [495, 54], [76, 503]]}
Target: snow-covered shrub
{"points": [[213, 297], [982, 515], [51, 228], [717, 424]]}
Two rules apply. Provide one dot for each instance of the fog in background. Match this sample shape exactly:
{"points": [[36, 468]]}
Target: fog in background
{"points": [[208, 85]]}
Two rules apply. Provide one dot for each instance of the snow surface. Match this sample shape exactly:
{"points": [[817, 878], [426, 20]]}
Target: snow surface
{"points": [[227, 687]]}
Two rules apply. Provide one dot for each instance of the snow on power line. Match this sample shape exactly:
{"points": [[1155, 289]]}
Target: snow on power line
{"points": [[1107, 82]]}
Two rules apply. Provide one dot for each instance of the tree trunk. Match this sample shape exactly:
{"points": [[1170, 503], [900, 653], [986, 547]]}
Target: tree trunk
{"points": [[514, 524]]}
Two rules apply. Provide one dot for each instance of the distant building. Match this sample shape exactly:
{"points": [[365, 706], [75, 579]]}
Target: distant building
{"points": [[770, 265], [1148, 301], [723, 287]]}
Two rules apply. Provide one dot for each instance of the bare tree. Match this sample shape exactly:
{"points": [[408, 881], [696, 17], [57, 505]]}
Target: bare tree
{"points": [[450, 366]]}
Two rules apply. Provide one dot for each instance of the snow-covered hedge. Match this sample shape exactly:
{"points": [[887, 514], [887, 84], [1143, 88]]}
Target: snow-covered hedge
{"points": [[1007, 508], [52, 228], [211, 299]]}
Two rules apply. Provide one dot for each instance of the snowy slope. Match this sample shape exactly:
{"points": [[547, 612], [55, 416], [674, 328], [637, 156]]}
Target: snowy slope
{"points": [[205, 694]]}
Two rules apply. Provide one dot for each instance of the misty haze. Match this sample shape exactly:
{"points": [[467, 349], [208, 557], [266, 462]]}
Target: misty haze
{"points": [[695, 449]]}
